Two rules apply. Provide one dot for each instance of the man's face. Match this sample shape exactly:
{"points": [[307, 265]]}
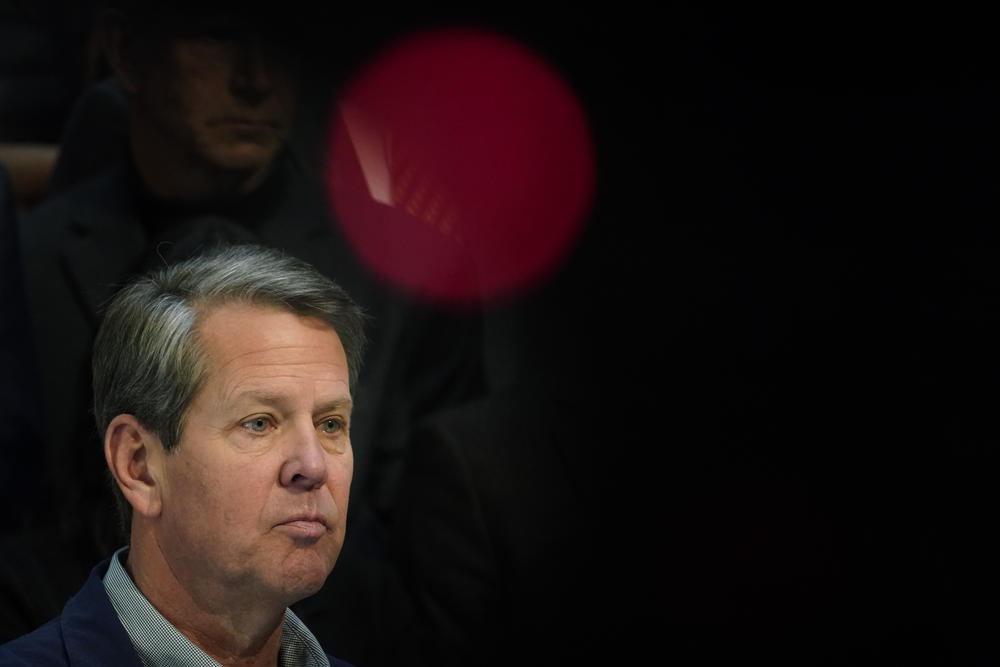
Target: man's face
{"points": [[255, 494], [220, 94]]}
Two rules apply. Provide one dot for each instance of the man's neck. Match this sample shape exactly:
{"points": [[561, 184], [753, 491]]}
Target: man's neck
{"points": [[232, 631]]}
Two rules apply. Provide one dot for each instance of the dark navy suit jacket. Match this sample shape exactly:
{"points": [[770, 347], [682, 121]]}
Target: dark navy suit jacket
{"points": [[87, 633]]}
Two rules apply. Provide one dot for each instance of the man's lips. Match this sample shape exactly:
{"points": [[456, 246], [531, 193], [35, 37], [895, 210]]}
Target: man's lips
{"points": [[304, 526], [247, 123]]}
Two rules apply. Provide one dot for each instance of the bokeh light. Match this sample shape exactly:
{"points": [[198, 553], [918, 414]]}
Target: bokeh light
{"points": [[460, 165]]}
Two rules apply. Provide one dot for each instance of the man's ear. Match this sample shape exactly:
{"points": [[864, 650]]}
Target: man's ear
{"points": [[135, 457], [118, 45]]}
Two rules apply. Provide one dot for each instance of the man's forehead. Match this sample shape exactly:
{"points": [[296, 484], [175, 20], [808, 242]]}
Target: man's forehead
{"points": [[267, 335], [264, 354], [242, 328]]}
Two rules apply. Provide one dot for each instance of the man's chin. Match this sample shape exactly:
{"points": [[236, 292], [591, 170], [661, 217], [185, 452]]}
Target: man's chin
{"points": [[244, 156], [303, 575], [301, 589]]}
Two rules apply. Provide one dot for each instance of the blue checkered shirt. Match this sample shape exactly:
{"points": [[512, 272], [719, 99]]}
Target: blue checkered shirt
{"points": [[160, 644]]}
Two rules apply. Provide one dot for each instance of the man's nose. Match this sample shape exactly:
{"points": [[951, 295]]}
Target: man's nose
{"points": [[304, 466], [252, 77]]}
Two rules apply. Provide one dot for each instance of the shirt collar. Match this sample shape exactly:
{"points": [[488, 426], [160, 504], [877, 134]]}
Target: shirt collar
{"points": [[160, 644]]}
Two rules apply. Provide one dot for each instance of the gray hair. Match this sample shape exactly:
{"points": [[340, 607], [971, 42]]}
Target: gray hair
{"points": [[148, 359]]}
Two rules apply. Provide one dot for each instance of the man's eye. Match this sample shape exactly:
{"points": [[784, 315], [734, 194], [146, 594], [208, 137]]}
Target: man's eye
{"points": [[330, 425], [257, 424]]}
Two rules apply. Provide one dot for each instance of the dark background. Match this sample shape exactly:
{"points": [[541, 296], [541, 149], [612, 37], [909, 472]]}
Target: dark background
{"points": [[791, 267]]}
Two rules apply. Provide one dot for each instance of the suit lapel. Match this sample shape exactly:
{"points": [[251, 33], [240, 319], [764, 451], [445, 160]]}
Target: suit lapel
{"points": [[91, 631]]}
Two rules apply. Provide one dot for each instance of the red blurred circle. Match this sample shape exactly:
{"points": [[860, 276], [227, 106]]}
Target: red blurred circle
{"points": [[460, 165]]}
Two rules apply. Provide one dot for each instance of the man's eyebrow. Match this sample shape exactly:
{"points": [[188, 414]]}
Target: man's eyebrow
{"points": [[270, 398], [261, 396], [343, 404]]}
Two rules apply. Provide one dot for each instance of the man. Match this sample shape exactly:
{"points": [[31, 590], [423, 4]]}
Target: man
{"points": [[210, 90], [223, 386]]}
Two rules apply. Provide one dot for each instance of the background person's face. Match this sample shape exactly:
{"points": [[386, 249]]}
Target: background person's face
{"points": [[255, 495], [225, 98]]}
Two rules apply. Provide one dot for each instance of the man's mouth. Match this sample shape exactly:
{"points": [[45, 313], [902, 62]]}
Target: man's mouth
{"points": [[243, 124], [304, 526]]}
